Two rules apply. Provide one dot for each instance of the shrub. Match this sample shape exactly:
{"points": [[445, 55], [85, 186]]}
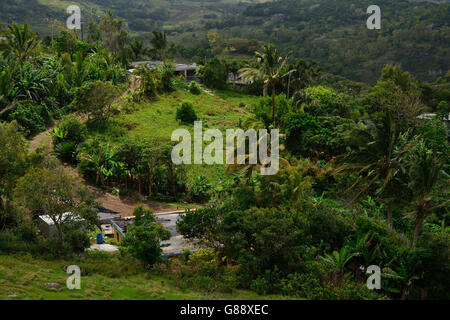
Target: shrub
{"points": [[77, 241], [66, 138], [325, 101], [199, 189], [32, 118], [304, 285], [186, 113], [143, 240], [97, 99], [70, 129], [194, 88], [213, 74], [204, 270], [66, 151], [327, 225], [267, 283]]}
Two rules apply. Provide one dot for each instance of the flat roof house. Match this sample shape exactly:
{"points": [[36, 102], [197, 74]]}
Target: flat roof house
{"points": [[187, 70]]}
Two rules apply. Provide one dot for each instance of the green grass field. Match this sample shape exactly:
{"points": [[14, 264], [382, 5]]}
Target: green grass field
{"points": [[155, 121], [24, 277]]}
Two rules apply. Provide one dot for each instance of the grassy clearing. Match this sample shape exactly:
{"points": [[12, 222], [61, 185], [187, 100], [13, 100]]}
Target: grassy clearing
{"points": [[25, 277], [155, 121]]}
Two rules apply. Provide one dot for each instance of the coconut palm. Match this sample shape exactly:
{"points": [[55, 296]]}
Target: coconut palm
{"points": [[137, 48], [159, 43], [302, 75], [377, 154], [269, 67], [425, 174], [248, 169], [20, 42]]}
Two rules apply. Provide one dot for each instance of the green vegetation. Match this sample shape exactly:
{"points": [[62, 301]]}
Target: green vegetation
{"points": [[414, 34], [186, 113], [363, 179], [104, 278], [143, 240]]}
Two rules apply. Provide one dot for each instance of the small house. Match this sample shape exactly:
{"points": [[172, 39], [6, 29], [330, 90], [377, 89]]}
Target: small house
{"points": [[119, 235], [188, 71], [48, 228]]}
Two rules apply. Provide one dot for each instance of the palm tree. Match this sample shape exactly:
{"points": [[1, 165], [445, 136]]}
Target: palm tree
{"points": [[377, 155], [137, 47], [269, 68], [20, 42], [425, 174], [247, 169], [302, 75], [79, 69], [159, 43], [339, 259]]}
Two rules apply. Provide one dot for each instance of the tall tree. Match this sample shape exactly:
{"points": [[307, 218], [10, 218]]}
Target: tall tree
{"points": [[94, 34], [137, 48], [13, 153], [425, 177], [303, 75], [21, 42], [377, 152], [53, 192], [114, 37], [159, 43], [269, 67]]}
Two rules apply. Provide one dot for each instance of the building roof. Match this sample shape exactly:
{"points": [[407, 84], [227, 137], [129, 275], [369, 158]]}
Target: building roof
{"points": [[154, 63], [105, 217], [74, 217], [118, 228], [427, 116]]}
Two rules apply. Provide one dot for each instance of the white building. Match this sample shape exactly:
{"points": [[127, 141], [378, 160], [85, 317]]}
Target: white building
{"points": [[68, 219]]}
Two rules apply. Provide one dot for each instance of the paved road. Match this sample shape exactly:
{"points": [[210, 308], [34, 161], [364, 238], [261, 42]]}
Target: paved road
{"points": [[176, 244]]}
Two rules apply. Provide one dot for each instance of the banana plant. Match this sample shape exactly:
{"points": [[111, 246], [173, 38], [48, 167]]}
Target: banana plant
{"points": [[339, 259]]}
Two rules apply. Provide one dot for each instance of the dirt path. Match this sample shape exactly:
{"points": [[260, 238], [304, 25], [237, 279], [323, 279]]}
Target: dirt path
{"points": [[126, 204], [207, 91], [43, 139]]}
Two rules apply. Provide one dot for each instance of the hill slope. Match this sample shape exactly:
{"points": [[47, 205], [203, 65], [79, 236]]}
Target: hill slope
{"points": [[24, 277], [414, 34]]}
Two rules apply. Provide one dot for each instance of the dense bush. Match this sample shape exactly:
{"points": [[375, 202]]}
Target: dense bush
{"points": [[143, 240], [213, 74], [67, 137], [194, 88], [186, 113], [199, 189], [32, 118]]}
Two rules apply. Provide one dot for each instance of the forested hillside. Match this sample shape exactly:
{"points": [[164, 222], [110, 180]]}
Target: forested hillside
{"points": [[362, 179], [333, 33]]}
